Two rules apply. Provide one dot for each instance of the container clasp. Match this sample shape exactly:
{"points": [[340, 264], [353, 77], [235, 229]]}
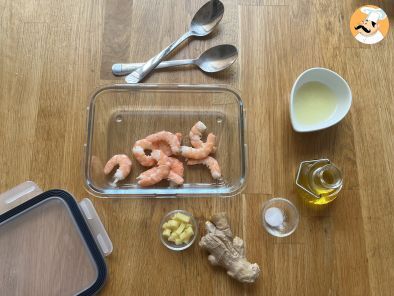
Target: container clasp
{"points": [[96, 226], [18, 195]]}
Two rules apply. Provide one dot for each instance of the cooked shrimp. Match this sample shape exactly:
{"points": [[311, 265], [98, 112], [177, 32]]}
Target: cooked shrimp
{"points": [[171, 139], [211, 163], [200, 153], [176, 166], [175, 178], [139, 152], [163, 146], [179, 137], [176, 172], [124, 163], [195, 134], [161, 158], [156, 174]]}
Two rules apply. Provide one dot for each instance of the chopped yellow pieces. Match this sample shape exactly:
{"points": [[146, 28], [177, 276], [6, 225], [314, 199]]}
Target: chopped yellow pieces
{"points": [[172, 224], [173, 236], [167, 233], [181, 218], [178, 229], [187, 234]]}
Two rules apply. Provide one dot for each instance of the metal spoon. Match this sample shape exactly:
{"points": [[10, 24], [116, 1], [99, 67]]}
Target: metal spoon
{"points": [[212, 60], [203, 23]]}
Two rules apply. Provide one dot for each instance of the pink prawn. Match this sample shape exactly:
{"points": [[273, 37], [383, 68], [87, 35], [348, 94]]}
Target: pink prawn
{"points": [[202, 152], [163, 146], [124, 169], [156, 174], [176, 173], [195, 134], [139, 152], [211, 163], [164, 136]]}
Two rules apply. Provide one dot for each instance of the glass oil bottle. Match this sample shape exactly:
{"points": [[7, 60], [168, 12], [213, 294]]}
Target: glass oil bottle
{"points": [[319, 181]]}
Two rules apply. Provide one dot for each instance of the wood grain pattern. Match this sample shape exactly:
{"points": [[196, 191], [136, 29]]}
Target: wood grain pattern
{"points": [[54, 54]]}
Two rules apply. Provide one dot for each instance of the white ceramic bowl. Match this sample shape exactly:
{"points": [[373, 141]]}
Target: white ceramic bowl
{"points": [[336, 83]]}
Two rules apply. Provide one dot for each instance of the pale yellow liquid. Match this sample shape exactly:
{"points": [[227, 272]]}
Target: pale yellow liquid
{"points": [[314, 102]]}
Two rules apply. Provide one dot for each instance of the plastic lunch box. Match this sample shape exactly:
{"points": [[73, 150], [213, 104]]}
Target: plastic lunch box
{"points": [[50, 244], [119, 115]]}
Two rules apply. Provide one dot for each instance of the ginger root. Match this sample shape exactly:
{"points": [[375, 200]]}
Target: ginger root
{"points": [[228, 251]]}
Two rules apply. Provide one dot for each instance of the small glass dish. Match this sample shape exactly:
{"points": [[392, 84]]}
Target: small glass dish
{"points": [[279, 217], [171, 245], [121, 114]]}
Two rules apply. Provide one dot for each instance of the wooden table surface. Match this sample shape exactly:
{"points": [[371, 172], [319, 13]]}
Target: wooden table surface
{"points": [[54, 53]]}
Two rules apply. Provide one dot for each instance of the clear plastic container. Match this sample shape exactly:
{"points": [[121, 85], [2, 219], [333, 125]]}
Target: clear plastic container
{"points": [[50, 244], [119, 115]]}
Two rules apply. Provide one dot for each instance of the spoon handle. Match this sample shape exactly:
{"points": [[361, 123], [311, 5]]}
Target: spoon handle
{"points": [[124, 69], [139, 74]]}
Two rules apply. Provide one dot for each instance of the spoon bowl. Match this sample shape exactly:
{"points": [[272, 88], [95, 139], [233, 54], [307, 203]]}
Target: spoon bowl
{"points": [[206, 18], [217, 58]]}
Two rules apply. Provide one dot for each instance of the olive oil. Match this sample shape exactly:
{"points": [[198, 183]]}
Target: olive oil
{"points": [[318, 181], [314, 102]]}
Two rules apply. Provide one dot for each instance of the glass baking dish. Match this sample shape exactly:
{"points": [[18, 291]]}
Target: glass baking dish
{"points": [[121, 114]]}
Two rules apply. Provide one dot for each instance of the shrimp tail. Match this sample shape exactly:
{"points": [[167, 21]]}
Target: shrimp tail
{"points": [[195, 134]]}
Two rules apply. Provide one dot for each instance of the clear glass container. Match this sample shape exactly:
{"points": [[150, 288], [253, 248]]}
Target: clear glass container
{"points": [[119, 115], [170, 245], [280, 217], [319, 181]]}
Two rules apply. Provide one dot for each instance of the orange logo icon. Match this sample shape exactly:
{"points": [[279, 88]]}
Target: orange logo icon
{"points": [[369, 24]]}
